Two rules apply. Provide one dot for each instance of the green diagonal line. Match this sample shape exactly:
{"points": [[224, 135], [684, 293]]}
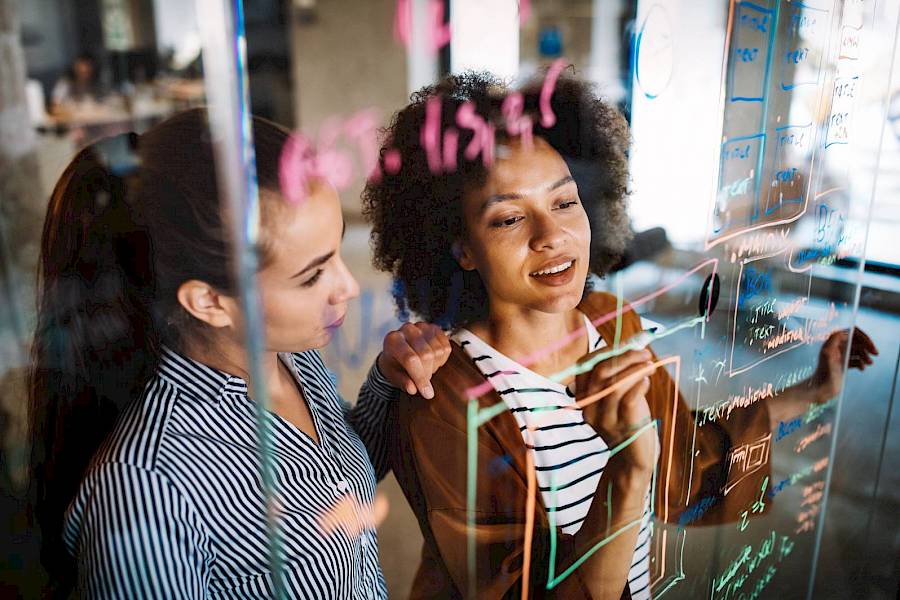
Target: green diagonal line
{"points": [[578, 369], [620, 300], [621, 445], [553, 582], [486, 414]]}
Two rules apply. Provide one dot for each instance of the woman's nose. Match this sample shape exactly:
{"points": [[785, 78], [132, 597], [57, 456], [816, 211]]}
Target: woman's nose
{"points": [[348, 287], [546, 233]]}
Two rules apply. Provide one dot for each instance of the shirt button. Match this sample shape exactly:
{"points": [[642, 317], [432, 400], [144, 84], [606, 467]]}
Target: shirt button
{"points": [[343, 487]]}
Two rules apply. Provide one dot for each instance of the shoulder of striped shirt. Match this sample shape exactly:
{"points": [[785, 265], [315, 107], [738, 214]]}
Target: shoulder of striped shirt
{"points": [[128, 486], [142, 428]]}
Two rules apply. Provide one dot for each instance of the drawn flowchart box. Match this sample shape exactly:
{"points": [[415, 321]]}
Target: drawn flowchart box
{"points": [[738, 189], [765, 320], [753, 39], [801, 61], [790, 168], [745, 460], [843, 103], [849, 42]]}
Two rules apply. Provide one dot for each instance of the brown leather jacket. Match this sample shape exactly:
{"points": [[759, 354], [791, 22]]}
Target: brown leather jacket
{"points": [[431, 465]]}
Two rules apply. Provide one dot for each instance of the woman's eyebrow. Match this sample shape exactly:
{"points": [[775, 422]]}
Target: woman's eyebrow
{"points": [[561, 182], [494, 198], [313, 263]]}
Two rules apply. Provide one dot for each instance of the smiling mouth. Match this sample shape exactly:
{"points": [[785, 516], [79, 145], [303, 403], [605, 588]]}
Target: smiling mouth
{"points": [[554, 270]]}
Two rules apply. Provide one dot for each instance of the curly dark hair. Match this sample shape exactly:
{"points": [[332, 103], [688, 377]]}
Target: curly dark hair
{"points": [[416, 214]]}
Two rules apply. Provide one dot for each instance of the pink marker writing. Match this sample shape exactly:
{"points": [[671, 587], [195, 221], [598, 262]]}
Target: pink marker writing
{"points": [[438, 31], [517, 123], [483, 138], [548, 117]]}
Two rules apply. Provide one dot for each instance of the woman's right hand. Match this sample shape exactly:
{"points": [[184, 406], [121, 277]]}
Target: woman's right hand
{"points": [[622, 411]]}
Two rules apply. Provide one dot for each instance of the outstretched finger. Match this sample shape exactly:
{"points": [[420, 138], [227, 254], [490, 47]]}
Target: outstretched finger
{"points": [[414, 354], [416, 372]]}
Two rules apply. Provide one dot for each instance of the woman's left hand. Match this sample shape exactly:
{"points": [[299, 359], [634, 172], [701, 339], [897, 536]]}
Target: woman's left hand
{"points": [[828, 378], [412, 354]]}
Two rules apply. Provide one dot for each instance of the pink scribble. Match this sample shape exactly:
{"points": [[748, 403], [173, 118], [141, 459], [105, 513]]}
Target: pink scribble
{"points": [[392, 161], [512, 108], [451, 145], [296, 167], [483, 138], [330, 157], [403, 22], [431, 133], [526, 129], [548, 117], [487, 145], [362, 127], [336, 167], [524, 11], [438, 31], [517, 123]]}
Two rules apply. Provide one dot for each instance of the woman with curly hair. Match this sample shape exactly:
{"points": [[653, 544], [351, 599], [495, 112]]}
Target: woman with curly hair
{"points": [[502, 204], [500, 253]]}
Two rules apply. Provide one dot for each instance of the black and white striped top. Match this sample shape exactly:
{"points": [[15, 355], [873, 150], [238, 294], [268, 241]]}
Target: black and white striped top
{"points": [[172, 505], [569, 455]]}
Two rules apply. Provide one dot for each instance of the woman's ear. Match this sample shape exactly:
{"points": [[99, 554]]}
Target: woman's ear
{"points": [[462, 255], [204, 303]]}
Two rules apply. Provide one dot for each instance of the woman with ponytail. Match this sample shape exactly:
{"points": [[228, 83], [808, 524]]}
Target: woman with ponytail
{"points": [[145, 456]]}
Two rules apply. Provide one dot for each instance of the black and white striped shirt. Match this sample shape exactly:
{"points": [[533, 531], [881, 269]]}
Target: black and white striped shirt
{"points": [[172, 505], [569, 454]]}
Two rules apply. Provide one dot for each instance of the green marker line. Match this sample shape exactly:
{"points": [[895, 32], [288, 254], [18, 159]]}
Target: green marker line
{"points": [[551, 517], [620, 301], [608, 507], [486, 414], [578, 369], [553, 582], [622, 445]]}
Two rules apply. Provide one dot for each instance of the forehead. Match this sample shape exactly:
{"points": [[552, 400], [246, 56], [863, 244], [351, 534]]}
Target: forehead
{"points": [[520, 169], [300, 231]]}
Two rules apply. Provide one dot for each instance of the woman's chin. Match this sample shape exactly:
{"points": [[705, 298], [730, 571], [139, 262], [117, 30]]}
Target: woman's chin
{"points": [[560, 303], [317, 341]]}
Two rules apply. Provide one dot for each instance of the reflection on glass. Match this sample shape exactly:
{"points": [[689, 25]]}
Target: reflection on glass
{"points": [[658, 315]]}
